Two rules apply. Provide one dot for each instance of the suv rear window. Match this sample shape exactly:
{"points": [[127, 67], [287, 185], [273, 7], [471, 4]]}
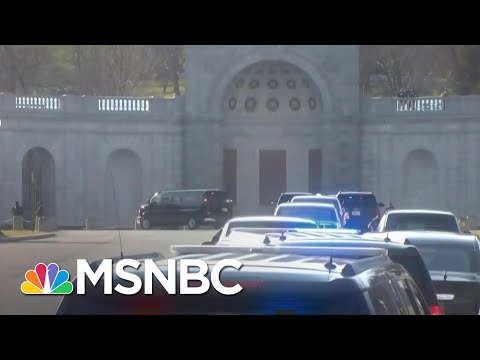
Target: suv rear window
{"points": [[433, 222], [440, 257], [358, 201], [309, 212], [287, 198]]}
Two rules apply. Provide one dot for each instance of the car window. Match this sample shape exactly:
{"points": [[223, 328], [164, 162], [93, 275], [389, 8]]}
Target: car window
{"points": [[419, 272], [433, 222], [307, 212], [358, 201], [417, 298], [402, 298], [381, 225], [166, 198], [439, 257], [333, 202], [190, 198], [415, 304], [384, 299], [285, 198], [155, 199], [216, 200]]}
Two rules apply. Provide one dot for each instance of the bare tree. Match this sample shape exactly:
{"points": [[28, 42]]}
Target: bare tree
{"points": [[21, 66]]}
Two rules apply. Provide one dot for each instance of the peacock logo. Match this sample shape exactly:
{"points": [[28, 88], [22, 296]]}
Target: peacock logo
{"points": [[47, 280]]}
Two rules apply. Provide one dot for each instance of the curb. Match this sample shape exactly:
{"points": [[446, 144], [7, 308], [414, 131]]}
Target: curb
{"points": [[27, 237]]}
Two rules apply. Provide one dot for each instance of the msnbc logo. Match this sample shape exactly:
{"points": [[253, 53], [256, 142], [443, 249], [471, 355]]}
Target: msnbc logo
{"points": [[38, 283]]}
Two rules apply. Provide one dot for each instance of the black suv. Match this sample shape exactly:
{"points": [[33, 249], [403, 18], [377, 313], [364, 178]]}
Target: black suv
{"points": [[406, 255], [360, 209], [275, 281], [189, 208]]}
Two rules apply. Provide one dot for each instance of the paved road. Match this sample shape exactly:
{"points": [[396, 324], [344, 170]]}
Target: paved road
{"points": [[18, 257]]}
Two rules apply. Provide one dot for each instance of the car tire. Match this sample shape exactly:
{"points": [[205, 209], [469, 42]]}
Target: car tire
{"points": [[191, 223], [145, 224]]}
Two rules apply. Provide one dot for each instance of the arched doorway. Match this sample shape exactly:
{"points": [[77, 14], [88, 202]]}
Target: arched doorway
{"points": [[123, 189], [265, 154], [421, 180], [38, 182]]}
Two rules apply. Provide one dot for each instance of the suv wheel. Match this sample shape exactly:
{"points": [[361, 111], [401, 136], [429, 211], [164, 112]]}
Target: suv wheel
{"points": [[145, 224], [191, 223]]}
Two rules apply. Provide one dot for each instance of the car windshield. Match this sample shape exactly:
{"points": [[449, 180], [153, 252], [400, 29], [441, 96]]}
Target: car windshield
{"points": [[432, 222], [285, 198], [156, 199], [317, 200], [439, 257], [315, 213]]}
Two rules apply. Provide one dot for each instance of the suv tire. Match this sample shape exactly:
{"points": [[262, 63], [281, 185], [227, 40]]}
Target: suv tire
{"points": [[191, 223], [145, 224]]}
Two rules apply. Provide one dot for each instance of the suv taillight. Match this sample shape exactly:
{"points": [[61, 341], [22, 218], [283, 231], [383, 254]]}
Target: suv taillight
{"points": [[436, 310]]}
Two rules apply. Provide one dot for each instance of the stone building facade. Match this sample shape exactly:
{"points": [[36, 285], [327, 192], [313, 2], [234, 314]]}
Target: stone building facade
{"points": [[256, 121]]}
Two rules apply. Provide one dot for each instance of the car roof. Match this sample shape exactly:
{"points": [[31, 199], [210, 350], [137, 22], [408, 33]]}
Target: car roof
{"points": [[419, 211], [329, 197], [355, 193], [357, 242], [196, 190], [348, 261], [293, 193], [270, 218], [307, 204], [305, 237]]}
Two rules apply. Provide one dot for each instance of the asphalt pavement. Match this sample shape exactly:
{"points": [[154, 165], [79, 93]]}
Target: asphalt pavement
{"points": [[17, 257]]}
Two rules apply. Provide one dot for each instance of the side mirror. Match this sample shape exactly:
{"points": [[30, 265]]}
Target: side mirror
{"points": [[381, 205]]}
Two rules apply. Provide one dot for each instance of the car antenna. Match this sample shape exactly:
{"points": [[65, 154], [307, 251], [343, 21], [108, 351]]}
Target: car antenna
{"points": [[282, 237], [266, 241], [387, 239], [330, 265], [445, 276], [118, 217]]}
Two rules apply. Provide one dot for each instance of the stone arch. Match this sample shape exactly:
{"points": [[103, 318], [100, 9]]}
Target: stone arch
{"points": [[123, 188], [220, 86], [272, 90], [38, 182], [421, 185]]}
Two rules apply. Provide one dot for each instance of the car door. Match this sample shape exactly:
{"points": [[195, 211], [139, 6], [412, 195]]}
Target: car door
{"points": [[154, 210], [166, 210]]}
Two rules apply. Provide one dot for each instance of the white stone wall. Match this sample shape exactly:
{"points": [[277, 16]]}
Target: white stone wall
{"points": [[80, 147]]}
